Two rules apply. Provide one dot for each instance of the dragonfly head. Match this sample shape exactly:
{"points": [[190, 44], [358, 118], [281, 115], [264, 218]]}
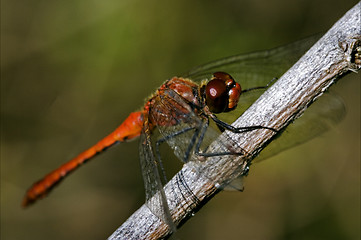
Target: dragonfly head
{"points": [[222, 93]]}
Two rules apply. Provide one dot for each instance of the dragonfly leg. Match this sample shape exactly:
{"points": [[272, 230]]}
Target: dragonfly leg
{"points": [[233, 129], [198, 151], [230, 128], [190, 145]]}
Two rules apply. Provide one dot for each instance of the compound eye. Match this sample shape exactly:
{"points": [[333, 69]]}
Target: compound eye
{"points": [[216, 95], [222, 93], [223, 76], [234, 93]]}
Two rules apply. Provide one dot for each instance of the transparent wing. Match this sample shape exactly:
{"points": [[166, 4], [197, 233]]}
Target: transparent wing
{"points": [[320, 117], [155, 196], [257, 68]]}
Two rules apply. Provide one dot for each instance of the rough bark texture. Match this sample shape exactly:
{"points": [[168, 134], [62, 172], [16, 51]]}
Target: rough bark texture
{"points": [[329, 59]]}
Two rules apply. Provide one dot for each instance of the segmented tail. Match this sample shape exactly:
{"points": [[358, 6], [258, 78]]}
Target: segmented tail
{"points": [[129, 129]]}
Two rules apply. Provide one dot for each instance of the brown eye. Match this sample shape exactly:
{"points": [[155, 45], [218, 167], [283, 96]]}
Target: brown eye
{"points": [[234, 94], [222, 93], [216, 96], [222, 75]]}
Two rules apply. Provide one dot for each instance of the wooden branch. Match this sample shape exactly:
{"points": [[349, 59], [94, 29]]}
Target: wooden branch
{"points": [[329, 59]]}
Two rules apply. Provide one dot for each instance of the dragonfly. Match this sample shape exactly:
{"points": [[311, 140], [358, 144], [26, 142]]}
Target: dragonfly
{"points": [[182, 110]]}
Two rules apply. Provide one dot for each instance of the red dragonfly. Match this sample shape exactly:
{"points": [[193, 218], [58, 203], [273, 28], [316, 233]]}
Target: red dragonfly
{"points": [[181, 110]]}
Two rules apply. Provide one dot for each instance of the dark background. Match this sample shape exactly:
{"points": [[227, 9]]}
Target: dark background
{"points": [[71, 71]]}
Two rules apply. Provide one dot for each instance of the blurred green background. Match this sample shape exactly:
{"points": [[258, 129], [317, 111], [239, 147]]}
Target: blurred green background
{"points": [[71, 71]]}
